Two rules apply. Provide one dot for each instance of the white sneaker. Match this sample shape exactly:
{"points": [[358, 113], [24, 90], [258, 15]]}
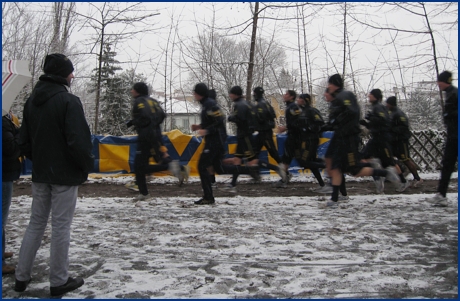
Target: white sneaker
{"points": [[437, 200], [141, 197], [282, 172], [289, 177], [184, 174], [379, 185], [174, 168], [343, 198], [416, 183], [132, 186], [280, 184], [324, 189], [230, 188], [392, 175], [403, 186]]}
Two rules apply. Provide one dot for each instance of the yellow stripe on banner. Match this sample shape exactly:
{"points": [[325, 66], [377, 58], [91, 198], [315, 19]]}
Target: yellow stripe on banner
{"points": [[113, 157], [193, 163], [179, 140], [232, 148], [323, 140]]}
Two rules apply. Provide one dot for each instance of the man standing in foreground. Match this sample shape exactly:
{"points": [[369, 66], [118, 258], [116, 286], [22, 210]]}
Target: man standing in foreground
{"points": [[56, 138], [450, 156]]}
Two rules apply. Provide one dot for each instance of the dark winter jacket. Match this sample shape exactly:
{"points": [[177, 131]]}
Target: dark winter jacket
{"points": [[244, 117], [265, 115], [213, 121], [55, 135], [377, 120], [310, 122], [451, 112], [344, 114], [11, 166], [291, 114], [399, 128], [147, 117]]}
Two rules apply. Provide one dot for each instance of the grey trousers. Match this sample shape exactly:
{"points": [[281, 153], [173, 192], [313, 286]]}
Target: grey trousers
{"points": [[60, 200]]}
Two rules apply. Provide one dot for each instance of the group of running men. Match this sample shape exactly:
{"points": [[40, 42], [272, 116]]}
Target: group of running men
{"points": [[387, 124], [304, 125]]}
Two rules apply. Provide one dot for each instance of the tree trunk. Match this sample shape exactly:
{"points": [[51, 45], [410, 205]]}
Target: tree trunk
{"points": [[98, 86], [251, 53]]}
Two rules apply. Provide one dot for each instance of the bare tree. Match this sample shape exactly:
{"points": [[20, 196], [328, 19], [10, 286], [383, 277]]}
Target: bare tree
{"points": [[112, 22]]}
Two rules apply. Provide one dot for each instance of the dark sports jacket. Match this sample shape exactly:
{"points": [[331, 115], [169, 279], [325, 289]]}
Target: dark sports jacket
{"points": [[310, 122], [399, 125], [292, 113], [147, 117], [344, 114], [55, 135], [378, 120], [244, 118], [213, 120], [451, 112], [265, 115]]}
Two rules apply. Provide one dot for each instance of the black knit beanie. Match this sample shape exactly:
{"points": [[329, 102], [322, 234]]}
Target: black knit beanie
{"points": [[141, 88], [391, 101], [57, 64], [336, 80], [445, 77], [236, 90], [258, 91], [377, 94], [305, 97], [201, 89]]}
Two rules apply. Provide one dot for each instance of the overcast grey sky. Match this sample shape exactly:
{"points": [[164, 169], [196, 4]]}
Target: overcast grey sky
{"points": [[369, 47]]}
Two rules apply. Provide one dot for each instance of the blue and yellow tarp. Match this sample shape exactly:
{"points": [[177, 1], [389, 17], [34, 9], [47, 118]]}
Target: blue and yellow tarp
{"points": [[115, 154]]}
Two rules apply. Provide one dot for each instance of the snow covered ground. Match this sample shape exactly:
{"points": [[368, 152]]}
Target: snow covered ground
{"points": [[374, 246]]}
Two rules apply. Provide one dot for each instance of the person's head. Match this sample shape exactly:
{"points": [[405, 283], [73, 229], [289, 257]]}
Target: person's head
{"points": [[212, 94], [289, 96], [375, 96], [200, 91], [235, 92], [444, 80], [335, 83], [328, 96], [304, 100], [139, 89], [60, 65], [391, 102], [258, 92]]}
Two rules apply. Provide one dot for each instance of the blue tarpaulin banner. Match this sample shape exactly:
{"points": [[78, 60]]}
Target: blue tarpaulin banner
{"points": [[115, 154]]}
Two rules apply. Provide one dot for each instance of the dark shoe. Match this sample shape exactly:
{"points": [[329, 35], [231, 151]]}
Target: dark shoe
{"points": [[21, 286], [7, 269], [70, 285], [8, 254], [205, 202]]}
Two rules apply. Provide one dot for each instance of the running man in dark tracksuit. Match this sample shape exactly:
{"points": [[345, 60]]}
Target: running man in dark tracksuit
{"points": [[212, 128], [291, 113], [400, 134], [450, 156], [342, 154], [377, 120], [265, 115], [310, 122]]}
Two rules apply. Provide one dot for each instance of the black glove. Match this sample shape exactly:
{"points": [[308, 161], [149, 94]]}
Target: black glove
{"points": [[129, 123]]}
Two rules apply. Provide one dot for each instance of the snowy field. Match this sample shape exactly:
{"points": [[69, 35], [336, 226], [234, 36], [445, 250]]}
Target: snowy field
{"points": [[374, 246]]}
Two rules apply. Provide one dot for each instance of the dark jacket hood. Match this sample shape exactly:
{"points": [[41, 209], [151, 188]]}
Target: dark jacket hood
{"points": [[48, 86]]}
